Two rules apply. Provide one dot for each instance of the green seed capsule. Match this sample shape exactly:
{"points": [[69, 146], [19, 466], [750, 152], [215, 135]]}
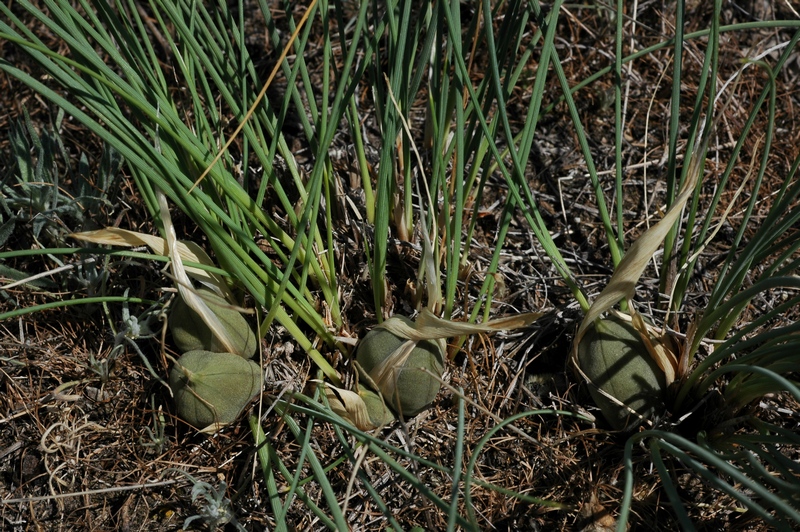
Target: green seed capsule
{"points": [[377, 411], [405, 387], [213, 387], [191, 333], [614, 358]]}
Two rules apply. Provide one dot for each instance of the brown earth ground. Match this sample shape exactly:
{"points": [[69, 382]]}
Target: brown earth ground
{"points": [[77, 447]]}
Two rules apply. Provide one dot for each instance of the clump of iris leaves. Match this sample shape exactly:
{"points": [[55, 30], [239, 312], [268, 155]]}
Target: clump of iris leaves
{"points": [[110, 78]]}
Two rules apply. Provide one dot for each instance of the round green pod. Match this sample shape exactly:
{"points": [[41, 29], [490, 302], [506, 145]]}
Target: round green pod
{"points": [[414, 389], [191, 333], [616, 361], [213, 387], [377, 411]]}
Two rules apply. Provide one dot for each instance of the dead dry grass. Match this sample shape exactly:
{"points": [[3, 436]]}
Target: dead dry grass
{"points": [[80, 453]]}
